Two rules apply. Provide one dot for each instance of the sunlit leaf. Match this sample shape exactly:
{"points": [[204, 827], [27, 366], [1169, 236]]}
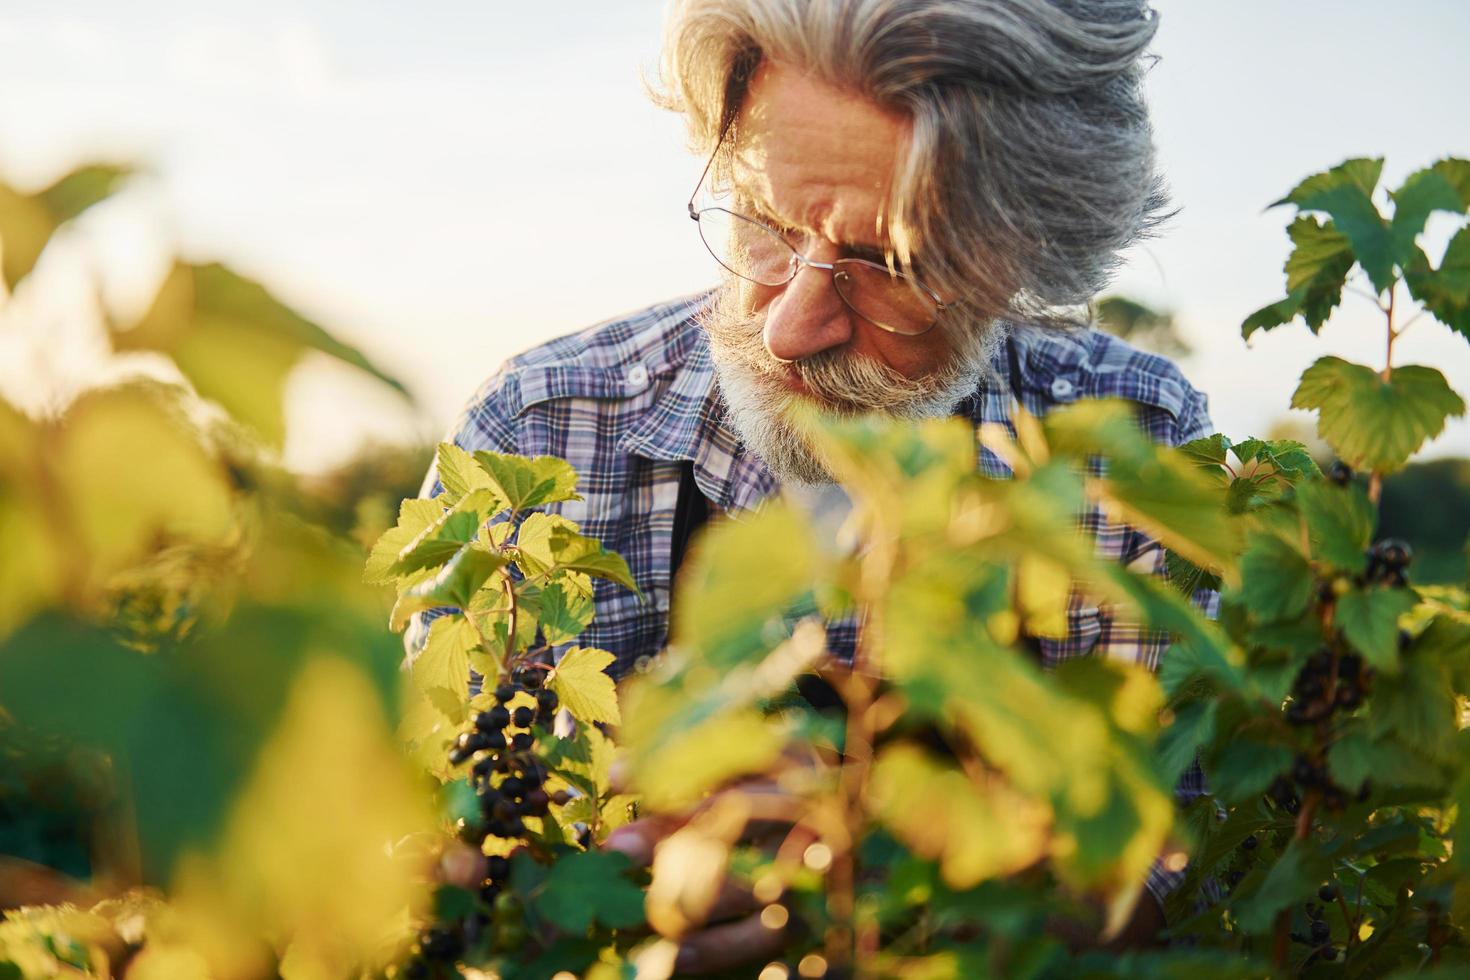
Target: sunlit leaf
{"points": [[733, 582], [974, 832], [27, 221], [459, 474], [122, 506], [317, 866], [414, 515], [444, 661], [235, 342], [454, 585], [1371, 423], [581, 680], [525, 483]]}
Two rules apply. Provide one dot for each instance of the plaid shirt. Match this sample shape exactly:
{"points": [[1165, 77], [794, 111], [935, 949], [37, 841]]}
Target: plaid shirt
{"points": [[629, 401]]}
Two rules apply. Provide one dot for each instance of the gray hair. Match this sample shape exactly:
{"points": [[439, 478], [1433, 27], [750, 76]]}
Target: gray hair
{"points": [[1030, 163]]}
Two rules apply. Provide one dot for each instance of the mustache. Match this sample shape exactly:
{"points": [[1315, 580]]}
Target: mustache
{"points": [[845, 381]]}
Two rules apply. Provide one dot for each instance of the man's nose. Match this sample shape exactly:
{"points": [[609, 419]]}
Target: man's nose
{"points": [[807, 317]]}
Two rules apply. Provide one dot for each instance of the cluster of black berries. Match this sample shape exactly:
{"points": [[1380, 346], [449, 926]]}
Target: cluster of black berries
{"points": [[507, 777], [1388, 563], [1320, 688], [1319, 934], [509, 783]]}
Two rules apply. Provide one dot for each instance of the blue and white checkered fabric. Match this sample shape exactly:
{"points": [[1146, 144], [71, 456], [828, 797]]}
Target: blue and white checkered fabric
{"points": [[627, 402]]}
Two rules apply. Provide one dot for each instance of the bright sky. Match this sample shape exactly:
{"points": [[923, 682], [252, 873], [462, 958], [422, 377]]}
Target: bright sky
{"points": [[446, 184]]}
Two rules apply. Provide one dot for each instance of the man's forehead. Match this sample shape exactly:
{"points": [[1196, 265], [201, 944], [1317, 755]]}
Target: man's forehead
{"points": [[815, 156]]}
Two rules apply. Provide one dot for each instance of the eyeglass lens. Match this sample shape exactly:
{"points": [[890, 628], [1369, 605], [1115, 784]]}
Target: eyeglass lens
{"points": [[755, 252]]}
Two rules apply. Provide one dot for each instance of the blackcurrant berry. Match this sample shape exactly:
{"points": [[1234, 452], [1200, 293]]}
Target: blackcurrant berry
{"points": [[1328, 892], [504, 809], [526, 678], [1320, 662], [523, 741], [1394, 553], [512, 786], [533, 776], [496, 718], [497, 868], [522, 717], [546, 700], [1235, 878], [1351, 665], [534, 803], [561, 797], [1296, 713], [1349, 696], [1321, 932], [1250, 843], [1304, 772], [1340, 473], [1406, 639], [505, 693], [495, 741]]}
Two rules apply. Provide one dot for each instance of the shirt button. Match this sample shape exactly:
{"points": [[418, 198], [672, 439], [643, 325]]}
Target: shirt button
{"points": [[1061, 389], [637, 376]]}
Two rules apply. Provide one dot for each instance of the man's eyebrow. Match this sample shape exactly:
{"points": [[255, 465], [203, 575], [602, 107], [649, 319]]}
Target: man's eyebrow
{"points": [[763, 210]]}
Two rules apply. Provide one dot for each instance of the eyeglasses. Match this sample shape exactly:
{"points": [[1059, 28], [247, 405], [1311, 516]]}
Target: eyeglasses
{"points": [[756, 252]]}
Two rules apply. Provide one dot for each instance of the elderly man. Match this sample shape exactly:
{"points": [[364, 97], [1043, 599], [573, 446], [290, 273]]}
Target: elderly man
{"points": [[906, 197]]}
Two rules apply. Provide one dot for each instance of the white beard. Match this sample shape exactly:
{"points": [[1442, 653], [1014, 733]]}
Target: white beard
{"points": [[845, 384]]}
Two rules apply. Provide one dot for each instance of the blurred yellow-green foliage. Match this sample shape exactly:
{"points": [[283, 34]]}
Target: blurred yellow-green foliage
{"points": [[196, 690]]}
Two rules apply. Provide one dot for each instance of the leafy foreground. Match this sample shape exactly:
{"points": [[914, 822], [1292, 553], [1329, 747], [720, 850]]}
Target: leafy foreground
{"points": [[943, 806]]}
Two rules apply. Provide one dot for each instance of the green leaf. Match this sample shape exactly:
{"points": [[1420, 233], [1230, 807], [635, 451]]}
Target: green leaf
{"points": [[82, 188], [444, 661], [565, 613], [459, 474], [413, 517], [526, 483], [1187, 577], [1339, 523], [1355, 758], [1354, 215], [1444, 292], [235, 342], [1416, 706], [1179, 743], [1361, 173], [734, 582], [590, 886], [1369, 619], [1277, 314], [1296, 874], [454, 585], [974, 832], [586, 690], [1243, 768], [1421, 194], [1276, 581], [27, 221], [1212, 451], [1372, 424], [441, 540]]}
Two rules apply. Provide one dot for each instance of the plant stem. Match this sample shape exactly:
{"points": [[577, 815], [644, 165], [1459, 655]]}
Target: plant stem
{"points": [[1375, 479], [1283, 918]]}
